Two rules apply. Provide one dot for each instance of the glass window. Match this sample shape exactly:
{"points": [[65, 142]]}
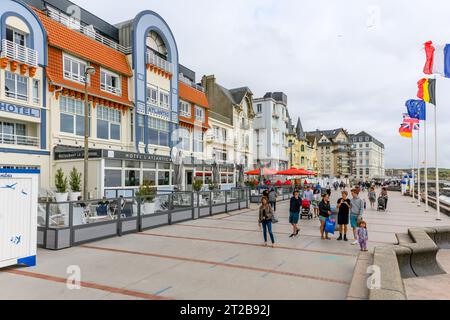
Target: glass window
{"points": [[132, 164], [132, 178], [110, 82], [150, 176], [152, 95], [16, 86], [74, 69], [158, 132], [16, 36], [198, 141], [164, 166], [108, 123], [113, 163], [163, 178], [113, 178], [72, 116], [199, 114], [140, 124], [185, 139], [164, 99], [259, 108], [149, 165], [185, 109], [36, 95]]}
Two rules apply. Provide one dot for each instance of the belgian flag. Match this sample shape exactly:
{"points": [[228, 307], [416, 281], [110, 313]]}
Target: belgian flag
{"points": [[427, 90]]}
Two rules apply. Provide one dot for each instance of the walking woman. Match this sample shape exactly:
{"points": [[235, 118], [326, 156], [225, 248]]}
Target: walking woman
{"points": [[315, 203], [294, 213], [265, 220], [325, 213]]}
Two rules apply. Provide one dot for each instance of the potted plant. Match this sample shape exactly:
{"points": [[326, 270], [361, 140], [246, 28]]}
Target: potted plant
{"points": [[197, 186], [61, 185], [75, 184], [147, 193], [213, 186]]}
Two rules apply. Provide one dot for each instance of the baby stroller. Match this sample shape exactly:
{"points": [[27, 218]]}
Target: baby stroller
{"points": [[306, 209], [381, 204]]}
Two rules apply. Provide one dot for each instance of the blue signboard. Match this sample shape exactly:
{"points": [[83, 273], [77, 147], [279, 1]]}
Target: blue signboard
{"points": [[158, 112], [23, 111]]}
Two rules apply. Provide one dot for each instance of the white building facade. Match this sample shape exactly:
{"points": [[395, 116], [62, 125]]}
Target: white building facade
{"points": [[370, 161], [271, 126]]}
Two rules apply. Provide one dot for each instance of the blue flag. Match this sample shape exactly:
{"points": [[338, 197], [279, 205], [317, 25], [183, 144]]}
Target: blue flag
{"points": [[417, 109]]}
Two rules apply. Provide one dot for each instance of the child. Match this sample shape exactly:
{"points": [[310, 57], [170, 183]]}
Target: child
{"points": [[363, 235]]}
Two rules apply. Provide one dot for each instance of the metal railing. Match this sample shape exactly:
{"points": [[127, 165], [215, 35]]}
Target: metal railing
{"points": [[191, 83], [111, 89], [19, 53], [74, 24], [66, 224], [15, 139], [159, 62]]}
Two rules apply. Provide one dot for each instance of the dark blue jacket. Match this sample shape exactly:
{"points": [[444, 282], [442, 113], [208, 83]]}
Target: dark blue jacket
{"points": [[296, 205]]}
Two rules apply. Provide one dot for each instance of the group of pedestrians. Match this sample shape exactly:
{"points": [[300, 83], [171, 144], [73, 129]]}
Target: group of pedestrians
{"points": [[349, 211]]}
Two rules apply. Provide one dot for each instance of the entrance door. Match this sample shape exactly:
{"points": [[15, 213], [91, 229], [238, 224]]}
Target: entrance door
{"points": [[189, 180]]}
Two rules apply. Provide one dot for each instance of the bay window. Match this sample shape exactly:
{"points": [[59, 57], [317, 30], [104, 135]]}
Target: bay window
{"points": [[108, 123], [74, 69], [72, 116], [16, 86]]}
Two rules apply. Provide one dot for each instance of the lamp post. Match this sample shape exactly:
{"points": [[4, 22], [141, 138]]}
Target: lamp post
{"points": [[89, 71]]}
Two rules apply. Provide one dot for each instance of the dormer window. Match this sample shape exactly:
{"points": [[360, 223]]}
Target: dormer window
{"points": [[74, 69], [110, 82]]}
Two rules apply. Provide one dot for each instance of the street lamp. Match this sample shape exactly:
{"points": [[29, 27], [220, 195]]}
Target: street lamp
{"points": [[89, 71]]}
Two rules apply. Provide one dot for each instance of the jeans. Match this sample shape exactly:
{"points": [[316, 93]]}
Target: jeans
{"points": [[267, 226]]}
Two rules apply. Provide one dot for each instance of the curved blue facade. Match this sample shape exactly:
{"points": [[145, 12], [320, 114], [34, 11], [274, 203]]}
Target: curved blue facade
{"points": [[144, 23]]}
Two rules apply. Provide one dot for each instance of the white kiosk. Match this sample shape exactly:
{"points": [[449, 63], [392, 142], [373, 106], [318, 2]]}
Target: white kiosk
{"points": [[18, 216]]}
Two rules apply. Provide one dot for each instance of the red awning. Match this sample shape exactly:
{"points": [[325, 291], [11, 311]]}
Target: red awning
{"points": [[265, 172]]}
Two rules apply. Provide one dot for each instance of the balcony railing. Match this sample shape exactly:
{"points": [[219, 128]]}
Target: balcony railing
{"points": [[191, 83], [19, 140], [19, 53], [111, 89], [74, 24], [159, 62]]}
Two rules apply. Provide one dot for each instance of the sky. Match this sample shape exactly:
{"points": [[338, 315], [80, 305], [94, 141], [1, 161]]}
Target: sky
{"points": [[346, 63]]}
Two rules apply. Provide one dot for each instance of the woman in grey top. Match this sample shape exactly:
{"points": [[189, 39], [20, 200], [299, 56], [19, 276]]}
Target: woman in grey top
{"points": [[356, 212], [265, 219]]}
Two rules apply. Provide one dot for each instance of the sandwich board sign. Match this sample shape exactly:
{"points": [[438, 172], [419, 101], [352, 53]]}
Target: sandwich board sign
{"points": [[18, 216]]}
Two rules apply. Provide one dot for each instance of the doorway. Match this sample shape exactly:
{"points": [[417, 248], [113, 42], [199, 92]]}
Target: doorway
{"points": [[189, 180]]}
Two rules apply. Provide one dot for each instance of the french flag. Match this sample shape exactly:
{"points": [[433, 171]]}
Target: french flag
{"points": [[438, 59]]}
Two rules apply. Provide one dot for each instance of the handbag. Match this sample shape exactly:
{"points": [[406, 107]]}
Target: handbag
{"points": [[330, 226]]}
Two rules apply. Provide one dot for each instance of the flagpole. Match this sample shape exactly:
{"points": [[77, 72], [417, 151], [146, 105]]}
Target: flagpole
{"points": [[438, 203], [412, 187], [419, 196], [426, 167]]}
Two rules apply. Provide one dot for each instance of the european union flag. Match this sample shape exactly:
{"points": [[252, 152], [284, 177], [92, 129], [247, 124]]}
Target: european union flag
{"points": [[417, 109]]}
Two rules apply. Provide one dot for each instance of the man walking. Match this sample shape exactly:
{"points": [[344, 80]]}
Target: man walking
{"points": [[356, 212]]}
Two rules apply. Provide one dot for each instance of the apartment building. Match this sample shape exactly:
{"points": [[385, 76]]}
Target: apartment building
{"points": [[271, 127], [369, 157], [334, 153], [302, 150], [231, 118]]}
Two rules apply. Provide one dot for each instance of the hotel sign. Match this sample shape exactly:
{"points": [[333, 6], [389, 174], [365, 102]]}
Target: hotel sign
{"points": [[121, 155], [20, 110]]}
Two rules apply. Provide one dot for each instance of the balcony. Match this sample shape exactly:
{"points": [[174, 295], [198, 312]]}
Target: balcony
{"points": [[159, 62], [13, 139], [191, 83], [111, 89], [89, 31], [19, 53]]}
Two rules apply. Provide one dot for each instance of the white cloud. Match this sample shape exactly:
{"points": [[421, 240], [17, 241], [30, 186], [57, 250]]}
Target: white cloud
{"points": [[336, 70]]}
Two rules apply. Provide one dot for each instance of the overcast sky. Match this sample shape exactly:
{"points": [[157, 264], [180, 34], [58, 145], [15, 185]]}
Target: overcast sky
{"points": [[346, 63]]}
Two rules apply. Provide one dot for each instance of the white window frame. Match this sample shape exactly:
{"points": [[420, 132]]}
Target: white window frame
{"points": [[164, 99], [36, 95], [74, 113], [199, 114], [150, 90], [14, 94], [72, 76], [185, 113], [104, 86], [113, 117]]}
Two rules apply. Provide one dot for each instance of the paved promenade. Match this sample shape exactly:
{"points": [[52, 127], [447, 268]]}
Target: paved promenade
{"points": [[221, 257]]}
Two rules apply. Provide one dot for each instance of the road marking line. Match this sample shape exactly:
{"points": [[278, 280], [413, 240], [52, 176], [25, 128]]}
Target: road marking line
{"points": [[245, 243], [221, 264], [89, 285], [157, 293]]}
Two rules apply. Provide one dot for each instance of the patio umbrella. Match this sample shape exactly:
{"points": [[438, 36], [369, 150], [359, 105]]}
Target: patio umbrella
{"points": [[293, 172], [215, 173], [263, 172], [240, 180], [288, 183], [177, 158]]}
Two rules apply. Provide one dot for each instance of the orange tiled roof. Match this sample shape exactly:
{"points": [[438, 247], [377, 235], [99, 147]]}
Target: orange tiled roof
{"points": [[192, 95], [55, 75], [75, 43]]}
